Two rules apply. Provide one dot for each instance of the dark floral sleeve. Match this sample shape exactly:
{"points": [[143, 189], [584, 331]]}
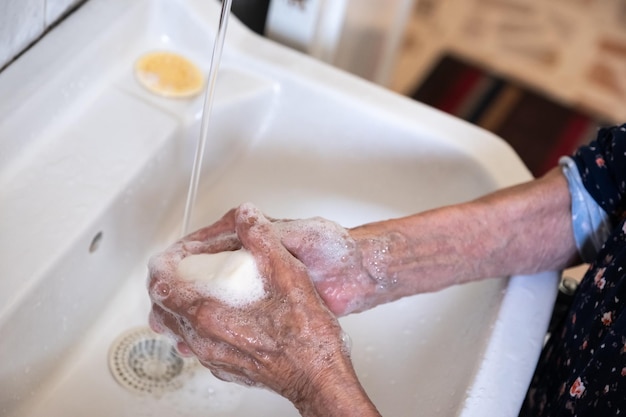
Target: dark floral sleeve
{"points": [[602, 166], [582, 369]]}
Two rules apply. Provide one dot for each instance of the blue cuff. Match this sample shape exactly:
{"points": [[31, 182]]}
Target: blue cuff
{"points": [[590, 222]]}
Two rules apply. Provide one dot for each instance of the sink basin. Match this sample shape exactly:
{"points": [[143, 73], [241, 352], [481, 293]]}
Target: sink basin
{"points": [[93, 176]]}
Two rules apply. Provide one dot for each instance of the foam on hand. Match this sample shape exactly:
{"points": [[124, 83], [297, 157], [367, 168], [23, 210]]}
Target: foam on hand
{"points": [[231, 277]]}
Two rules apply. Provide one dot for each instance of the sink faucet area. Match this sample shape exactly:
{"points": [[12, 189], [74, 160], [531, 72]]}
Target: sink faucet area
{"points": [[94, 171]]}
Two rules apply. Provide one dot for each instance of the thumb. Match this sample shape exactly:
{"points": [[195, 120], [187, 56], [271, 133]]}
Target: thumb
{"points": [[259, 236], [255, 231]]}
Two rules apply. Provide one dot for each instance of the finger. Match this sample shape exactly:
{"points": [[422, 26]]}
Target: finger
{"points": [[218, 237], [256, 233], [316, 241], [177, 296], [155, 322], [164, 322], [198, 339], [230, 376], [274, 262], [165, 286], [192, 305], [184, 349], [222, 243], [230, 364], [162, 266], [225, 225]]}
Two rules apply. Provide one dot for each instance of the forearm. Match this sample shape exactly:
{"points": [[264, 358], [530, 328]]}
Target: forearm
{"points": [[522, 229]]}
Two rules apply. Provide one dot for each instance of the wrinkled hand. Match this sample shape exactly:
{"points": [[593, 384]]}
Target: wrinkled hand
{"points": [[284, 341], [347, 266], [344, 264]]}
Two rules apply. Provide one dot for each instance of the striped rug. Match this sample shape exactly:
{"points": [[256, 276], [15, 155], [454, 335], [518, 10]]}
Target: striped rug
{"points": [[537, 127]]}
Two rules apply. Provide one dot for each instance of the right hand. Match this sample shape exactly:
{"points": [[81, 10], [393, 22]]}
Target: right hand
{"points": [[349, 267]]}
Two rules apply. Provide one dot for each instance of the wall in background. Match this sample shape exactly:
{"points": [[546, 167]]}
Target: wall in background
{"points": [[23, 21]]}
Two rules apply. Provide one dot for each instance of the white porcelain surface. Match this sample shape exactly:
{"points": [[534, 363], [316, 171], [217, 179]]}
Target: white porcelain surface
{"points": [[56, 8], [21, 22], [84, 150]]}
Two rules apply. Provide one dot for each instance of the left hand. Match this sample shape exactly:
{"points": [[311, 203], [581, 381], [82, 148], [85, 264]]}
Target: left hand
{"points": [[285, 341]]}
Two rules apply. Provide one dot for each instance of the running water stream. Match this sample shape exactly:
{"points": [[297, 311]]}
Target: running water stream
{"points": [[206, 114], [204, 127]]}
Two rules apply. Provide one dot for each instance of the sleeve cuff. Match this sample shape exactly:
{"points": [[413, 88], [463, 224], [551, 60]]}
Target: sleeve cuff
{"points": [[591, 224]]}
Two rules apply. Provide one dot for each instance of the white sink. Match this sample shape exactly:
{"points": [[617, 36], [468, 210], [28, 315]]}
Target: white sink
{"points": [[86, 152]]}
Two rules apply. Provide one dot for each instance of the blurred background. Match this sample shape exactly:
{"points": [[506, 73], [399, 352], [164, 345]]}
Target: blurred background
{"points": [[543, 75]]}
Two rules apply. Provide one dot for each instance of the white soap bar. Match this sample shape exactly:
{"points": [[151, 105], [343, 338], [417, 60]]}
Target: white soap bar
{"points": [[231, 277]]}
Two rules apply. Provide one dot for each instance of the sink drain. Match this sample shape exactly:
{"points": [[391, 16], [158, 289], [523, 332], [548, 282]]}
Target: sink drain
{"points": [[145, 362]]}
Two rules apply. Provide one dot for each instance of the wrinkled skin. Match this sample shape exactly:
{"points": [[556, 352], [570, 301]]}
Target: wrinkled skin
{"points": [[280, 341], [289, 341], [332, 256]]}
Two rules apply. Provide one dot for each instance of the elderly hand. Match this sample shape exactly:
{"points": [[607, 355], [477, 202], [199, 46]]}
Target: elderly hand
{"points": [[348, 267], [287, 340]]}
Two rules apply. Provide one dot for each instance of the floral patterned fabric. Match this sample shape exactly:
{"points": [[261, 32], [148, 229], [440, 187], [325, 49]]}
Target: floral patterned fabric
{"points": [[582, 370]]}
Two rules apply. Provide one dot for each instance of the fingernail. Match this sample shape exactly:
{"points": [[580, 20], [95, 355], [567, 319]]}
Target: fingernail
{"points": [[183, 349]]}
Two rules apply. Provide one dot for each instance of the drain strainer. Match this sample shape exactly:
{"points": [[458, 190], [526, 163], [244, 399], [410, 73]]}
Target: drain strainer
{"points": [[146, 362]]}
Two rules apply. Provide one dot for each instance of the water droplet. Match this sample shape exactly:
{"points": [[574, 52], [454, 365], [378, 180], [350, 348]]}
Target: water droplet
{"points": [[347, 341]]}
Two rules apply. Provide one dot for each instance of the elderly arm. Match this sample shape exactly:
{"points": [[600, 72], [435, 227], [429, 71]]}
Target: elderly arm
{"points": [[290, 342], [517, 230]]}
